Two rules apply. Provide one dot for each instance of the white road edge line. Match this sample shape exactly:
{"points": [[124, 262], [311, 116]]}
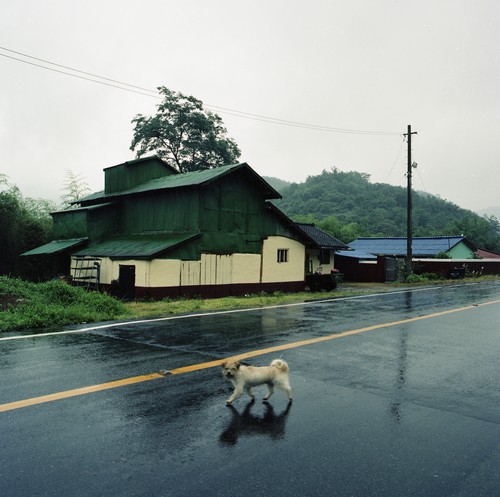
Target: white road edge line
{"points": [[216, 313]]}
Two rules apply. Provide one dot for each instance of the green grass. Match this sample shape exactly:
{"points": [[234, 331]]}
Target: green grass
{"points": [[183, 306], [26, 305], [39, 305]]}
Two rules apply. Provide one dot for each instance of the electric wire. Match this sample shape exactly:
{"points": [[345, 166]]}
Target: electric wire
{"points": [[94, 78], [76, 75], [395, 160], [75, 70]]}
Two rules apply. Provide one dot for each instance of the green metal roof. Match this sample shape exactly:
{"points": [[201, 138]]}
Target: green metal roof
{"points": [[195, 178], [136, 246], [86, 208], [186, 179], [56, 246]]}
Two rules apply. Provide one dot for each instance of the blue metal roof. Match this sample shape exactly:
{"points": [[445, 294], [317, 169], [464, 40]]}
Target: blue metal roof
{"points": [[421, 246], [357, 254]]}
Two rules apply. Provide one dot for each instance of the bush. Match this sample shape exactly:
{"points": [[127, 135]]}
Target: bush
{"points": [[415, 278], [32, 305]]}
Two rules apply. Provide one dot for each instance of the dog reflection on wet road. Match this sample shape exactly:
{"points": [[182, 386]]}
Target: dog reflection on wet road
{"points": [[248, 424]]}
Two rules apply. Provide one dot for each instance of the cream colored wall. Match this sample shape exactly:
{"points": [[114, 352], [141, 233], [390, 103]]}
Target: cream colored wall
{"points": [[314, 257], [246, 268], [215, 269], [293, 270], [189, 273], [107, 271], [164, 272], [106, 266], [154, 273]]}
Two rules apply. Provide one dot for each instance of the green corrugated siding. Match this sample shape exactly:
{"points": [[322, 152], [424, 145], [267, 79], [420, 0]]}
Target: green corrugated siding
{"points": [[103, 222], [177, 211], [229, 211], [130, 174], [70, 224], [96, 222]]}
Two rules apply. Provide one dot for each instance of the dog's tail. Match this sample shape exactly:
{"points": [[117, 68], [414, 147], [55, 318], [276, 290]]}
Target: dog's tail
{"points": [[280, 364]]}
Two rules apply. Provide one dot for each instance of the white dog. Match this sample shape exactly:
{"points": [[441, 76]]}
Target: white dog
{"points": [[244, 378]]}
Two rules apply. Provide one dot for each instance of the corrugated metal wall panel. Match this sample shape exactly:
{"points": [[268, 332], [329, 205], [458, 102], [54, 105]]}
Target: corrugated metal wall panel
{"points": [[175, 211], [103, 222], [208, 269], [124, 176], [190, 273], [216, 269], [70, 224], [224, 274]]}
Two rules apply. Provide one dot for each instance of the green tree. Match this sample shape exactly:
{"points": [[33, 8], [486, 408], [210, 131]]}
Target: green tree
{"points": [[24, 224], [481, 231], [184, 134], [75, 187], [365, 209]]}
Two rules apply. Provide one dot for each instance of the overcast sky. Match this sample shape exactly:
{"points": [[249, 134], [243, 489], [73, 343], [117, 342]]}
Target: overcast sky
{"points": [[356, 65]]}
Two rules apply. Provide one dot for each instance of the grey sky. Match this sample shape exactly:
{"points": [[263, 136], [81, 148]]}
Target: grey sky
{"points": [[375, 65]]}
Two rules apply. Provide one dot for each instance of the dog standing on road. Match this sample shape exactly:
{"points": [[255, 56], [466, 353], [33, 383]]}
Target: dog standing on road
{"points": [[244, 378]]}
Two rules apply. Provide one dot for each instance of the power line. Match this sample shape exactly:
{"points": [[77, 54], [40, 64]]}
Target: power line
{"points": [[395, 160], [76, 75], [75, 70], [95, 78]]}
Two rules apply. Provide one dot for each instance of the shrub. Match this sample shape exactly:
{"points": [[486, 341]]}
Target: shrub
{"points": [[53, 303]]}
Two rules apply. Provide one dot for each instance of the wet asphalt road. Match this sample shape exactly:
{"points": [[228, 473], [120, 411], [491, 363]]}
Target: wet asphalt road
{"points": [[411, 409]]}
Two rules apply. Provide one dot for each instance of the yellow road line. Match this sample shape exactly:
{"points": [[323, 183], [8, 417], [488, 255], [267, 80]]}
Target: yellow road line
{"points": [[206, 365], [311, 341], [79, 391]]}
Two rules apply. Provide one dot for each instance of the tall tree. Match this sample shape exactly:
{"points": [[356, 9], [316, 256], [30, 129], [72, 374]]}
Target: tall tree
{"points": [[75, 187], [184, 134], [24, 224]]}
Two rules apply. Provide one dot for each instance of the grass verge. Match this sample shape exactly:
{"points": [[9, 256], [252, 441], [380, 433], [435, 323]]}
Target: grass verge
{"points": [[26, 305], [39, 305]]}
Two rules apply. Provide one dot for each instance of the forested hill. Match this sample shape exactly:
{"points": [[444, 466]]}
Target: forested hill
{"points": [[348, 205]]}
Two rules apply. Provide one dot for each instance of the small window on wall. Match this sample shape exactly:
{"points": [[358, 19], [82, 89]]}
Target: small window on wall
{"points": [[282, 255], [324, 256]]}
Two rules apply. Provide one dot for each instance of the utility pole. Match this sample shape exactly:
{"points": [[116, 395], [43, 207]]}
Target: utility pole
{"points": [[409, 254]]}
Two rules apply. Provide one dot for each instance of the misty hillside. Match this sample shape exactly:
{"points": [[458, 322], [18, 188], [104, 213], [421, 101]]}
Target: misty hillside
{"points": [[352, 206], [278, 184]]}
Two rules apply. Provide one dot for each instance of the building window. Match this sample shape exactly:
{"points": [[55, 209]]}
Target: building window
{"points": [[282, 255], [324, 256]]}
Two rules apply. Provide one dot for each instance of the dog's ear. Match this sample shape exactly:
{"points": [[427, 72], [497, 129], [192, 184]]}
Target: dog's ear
{"points": [[237, 364], [223, 365]]}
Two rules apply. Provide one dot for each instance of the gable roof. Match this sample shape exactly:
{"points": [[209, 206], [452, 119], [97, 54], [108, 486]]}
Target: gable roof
{"points": [[487, 254], [321, 238], [186, 180], [421, 246]]}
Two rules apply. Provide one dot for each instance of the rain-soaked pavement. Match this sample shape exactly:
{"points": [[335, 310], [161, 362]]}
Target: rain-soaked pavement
{"points": [[407, 409]]}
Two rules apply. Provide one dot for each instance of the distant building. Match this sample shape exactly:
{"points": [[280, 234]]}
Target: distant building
{"points": [[321, 248], [456, 247], [486, 254], [383, 259]]}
